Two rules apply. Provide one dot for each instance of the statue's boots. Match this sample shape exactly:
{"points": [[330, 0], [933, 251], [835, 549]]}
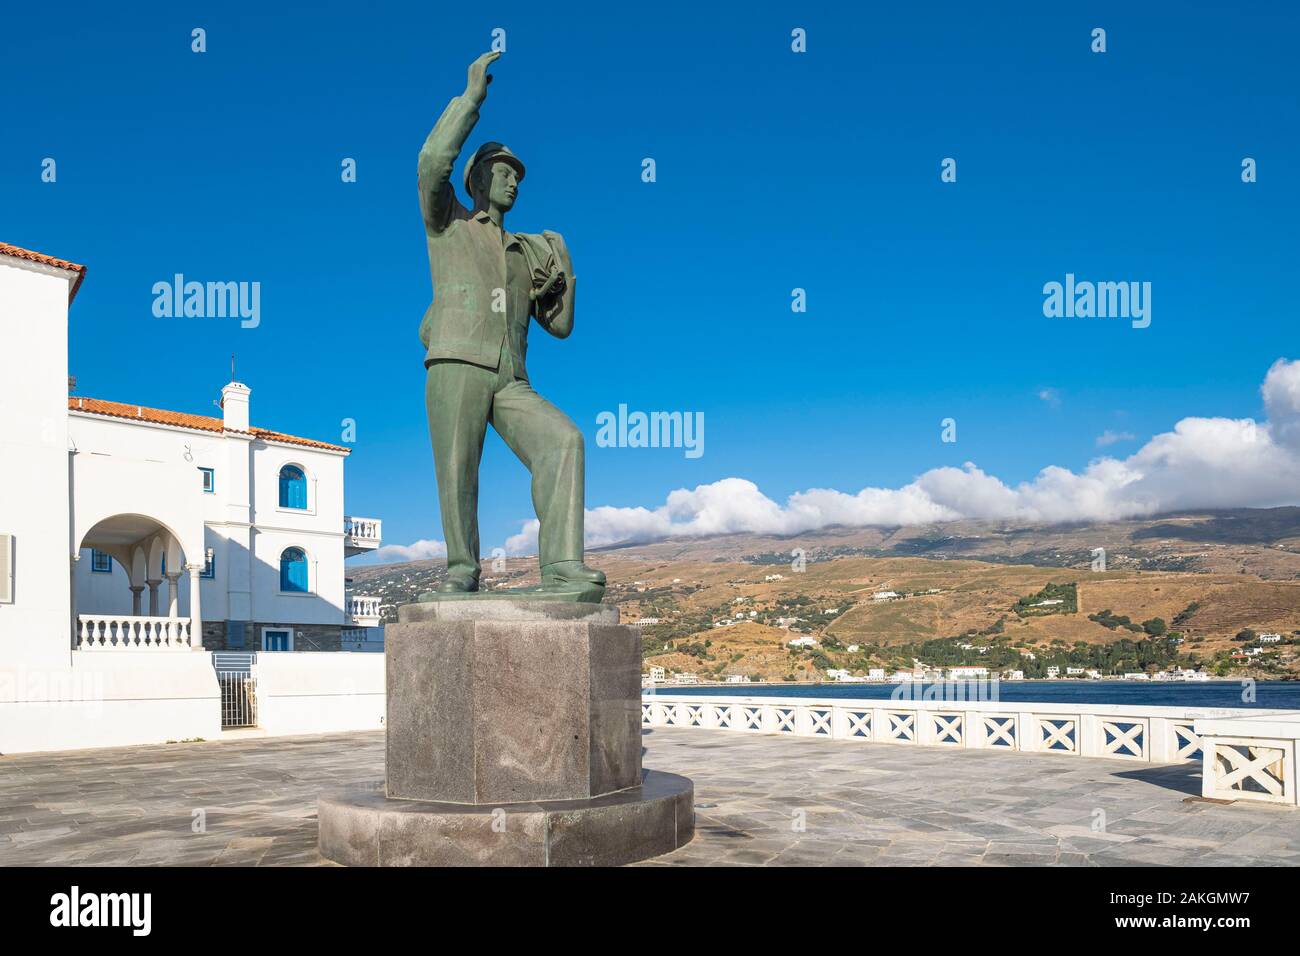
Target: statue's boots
{"points": [[571, 576], [458, 586]]}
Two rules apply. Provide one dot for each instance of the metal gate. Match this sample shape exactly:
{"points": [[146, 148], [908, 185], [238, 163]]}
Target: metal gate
{"points": [[238, 698]]}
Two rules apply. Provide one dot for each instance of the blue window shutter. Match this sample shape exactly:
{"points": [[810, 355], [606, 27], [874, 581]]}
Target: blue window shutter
{"points": [[293, 570], [293, 487]]}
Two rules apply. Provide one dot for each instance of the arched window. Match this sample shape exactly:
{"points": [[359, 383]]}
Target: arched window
{"points": [[293, 487], [293, 570]]}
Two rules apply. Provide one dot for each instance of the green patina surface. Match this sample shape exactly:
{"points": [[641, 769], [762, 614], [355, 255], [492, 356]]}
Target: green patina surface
{"points": [[489, 285]]}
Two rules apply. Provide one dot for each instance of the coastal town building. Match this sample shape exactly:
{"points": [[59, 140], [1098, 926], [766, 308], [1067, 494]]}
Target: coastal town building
{"points": [[135, 537]]}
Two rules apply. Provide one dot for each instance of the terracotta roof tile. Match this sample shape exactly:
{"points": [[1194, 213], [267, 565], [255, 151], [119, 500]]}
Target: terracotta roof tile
{"points": [[159, 416], [19, 253]]}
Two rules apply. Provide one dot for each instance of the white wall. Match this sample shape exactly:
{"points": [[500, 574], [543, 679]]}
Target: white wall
{"points": [[318, 531], [35, 629], [246, 584], [110, 699], [320, 692]]}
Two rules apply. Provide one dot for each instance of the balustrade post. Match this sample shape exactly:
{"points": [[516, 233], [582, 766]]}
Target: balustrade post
{"points": [[1162, 741], [1090, 736], [1029, 736]]}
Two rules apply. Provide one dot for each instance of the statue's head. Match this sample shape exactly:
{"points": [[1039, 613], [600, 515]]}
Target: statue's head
{"points": [[492, 177]]}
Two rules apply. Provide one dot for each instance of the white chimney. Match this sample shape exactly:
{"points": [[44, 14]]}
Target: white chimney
{"points": [[234, 406]]}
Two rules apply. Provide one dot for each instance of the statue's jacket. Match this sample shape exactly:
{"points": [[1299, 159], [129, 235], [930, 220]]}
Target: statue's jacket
{"points": [[470, 259]]}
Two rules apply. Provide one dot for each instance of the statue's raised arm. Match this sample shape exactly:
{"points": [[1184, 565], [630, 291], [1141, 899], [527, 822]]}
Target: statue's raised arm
{"points": [[444, 143]]}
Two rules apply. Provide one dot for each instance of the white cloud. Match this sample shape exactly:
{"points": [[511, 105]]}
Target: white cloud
{"points": [[1051, 396], [1109, 437], [1202, 463], [421, 550]]}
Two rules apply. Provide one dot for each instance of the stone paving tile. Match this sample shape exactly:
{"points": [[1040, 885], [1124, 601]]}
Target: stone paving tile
{"points": [[776, 801]]}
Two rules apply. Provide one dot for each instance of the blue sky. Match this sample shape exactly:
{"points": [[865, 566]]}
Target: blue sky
{"points": [[775, 170]]}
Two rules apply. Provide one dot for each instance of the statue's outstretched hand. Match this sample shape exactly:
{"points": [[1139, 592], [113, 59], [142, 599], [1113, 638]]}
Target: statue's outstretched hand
{"points": [[476, 86]]}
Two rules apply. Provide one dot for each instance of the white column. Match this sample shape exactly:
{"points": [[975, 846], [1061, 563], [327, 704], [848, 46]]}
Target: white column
{"points": [[196, 614], [153, 596], [173, 594], [136, 591], [72, 600]]}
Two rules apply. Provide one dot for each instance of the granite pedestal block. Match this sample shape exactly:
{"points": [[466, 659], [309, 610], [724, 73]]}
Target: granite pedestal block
{"points": [[362, 827], [509, 702], [513, 738]]}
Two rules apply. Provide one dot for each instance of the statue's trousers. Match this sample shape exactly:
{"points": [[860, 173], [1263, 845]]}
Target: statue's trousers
{"points": [[461, 400]]}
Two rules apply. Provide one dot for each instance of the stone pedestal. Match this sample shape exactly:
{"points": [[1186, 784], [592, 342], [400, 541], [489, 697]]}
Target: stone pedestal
{"points": [[514, 738]]}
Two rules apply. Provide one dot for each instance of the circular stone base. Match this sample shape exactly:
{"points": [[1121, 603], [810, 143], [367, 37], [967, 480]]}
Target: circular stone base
{"points": [[362, 827]]}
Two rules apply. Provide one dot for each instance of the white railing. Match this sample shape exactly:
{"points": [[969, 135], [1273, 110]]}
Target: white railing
{"points": [[238, 698], [126, 632], [1250, 758], [1120, 731], [362, 533], [363, 610]]}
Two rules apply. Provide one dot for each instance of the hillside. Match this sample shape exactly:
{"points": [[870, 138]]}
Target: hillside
{"points": [[1231, 571]]}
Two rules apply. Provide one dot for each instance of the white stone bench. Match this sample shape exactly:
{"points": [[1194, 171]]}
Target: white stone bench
{"points": [[1250, 757]]}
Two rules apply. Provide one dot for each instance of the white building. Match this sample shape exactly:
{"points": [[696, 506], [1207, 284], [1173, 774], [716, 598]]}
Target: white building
{"points": [[737, 679], [1013, 675], [802, 642], [255, 516], [875, 673], [885, 595], [1269, 638], [656, 674], [1053, 671], [967, 672], [130, 537]]}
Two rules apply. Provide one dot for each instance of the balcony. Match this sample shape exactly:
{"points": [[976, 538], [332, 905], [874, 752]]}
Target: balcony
{"points": [[132, 632], [362, 610], [361, 535]]}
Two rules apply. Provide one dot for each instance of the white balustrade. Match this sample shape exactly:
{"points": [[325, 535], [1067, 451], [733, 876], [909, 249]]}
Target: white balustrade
{"points": [[363, 532], [363, 608], [1114, 731], [126, 632]]}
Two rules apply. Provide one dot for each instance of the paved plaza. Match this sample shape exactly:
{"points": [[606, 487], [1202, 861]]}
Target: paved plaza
{"points": [[761, 800]]}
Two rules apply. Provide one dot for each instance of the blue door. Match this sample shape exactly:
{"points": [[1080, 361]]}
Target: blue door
{"points": [[275, 640]]}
